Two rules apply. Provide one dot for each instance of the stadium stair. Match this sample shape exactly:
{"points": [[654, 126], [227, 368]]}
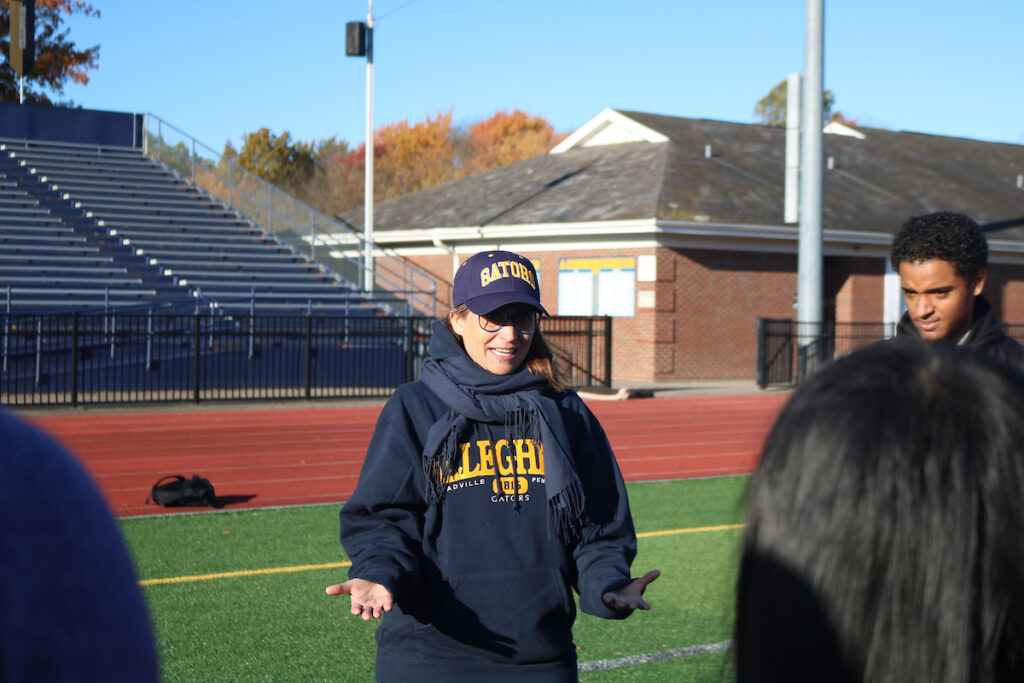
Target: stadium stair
{"points": [[101, 227]]}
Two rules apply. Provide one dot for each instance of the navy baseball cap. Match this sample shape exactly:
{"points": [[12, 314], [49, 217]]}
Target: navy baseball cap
{"points": [[491, 279]]}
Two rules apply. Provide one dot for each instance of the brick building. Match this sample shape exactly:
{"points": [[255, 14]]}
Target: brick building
{"points": [[676, 227]]}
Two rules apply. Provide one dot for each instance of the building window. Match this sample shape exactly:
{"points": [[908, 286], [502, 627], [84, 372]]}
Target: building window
{"points": [[597, 286]]}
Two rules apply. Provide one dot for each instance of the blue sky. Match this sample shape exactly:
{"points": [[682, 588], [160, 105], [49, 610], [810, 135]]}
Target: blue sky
{"points": [[219, 69]]}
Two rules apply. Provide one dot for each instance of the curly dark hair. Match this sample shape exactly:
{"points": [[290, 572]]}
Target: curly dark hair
{"points": [[944, 235]]}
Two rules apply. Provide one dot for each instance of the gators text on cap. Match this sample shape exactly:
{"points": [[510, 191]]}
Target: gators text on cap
{"points": [[492, 279]]}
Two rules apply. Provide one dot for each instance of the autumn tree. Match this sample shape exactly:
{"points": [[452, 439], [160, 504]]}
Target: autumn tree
{"points": [[58, 60], [407, 157], [320, 190], [413, 157], [505, 138], [771, 109], [341, 181]]}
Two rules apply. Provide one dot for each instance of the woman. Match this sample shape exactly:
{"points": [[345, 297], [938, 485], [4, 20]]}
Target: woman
{"points": [[488, 490], [884, 533]]}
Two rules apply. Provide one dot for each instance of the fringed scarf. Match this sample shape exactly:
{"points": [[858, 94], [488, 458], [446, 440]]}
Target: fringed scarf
{"points": [[515, 400]]}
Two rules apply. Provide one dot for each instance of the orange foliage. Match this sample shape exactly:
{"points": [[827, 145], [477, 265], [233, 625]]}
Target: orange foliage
{"points": [[505, 138], [410, 157], [413, 157]]}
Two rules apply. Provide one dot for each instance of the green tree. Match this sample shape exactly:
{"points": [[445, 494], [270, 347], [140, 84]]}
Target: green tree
{"points": [[275, 158], [58, 59], [771, 109], [328, 148]]}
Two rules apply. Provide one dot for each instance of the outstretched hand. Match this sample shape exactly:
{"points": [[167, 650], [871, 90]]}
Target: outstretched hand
{"points": [[369, 600], [630, 597]]}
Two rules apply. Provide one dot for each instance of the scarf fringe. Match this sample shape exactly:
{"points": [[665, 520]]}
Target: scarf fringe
{"points": [[520, 425], [568, 513], [438, 470]]}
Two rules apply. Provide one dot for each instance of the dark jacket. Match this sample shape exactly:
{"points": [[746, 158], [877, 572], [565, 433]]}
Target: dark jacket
{"points": [[985, 335], [482, 589], [72, 606]]}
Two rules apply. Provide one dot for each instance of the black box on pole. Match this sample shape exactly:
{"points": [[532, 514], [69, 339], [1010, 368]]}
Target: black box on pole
{"points": [[355, 39], [23, 36]]}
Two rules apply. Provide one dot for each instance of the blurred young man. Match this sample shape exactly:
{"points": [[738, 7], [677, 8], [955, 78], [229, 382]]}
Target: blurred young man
{"points": [[942, 260]]}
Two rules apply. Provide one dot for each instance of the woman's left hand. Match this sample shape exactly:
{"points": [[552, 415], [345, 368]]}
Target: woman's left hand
{"points": [[630, 597]]}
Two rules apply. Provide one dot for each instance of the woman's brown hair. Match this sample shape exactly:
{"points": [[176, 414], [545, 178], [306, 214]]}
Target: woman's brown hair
{"points": [[539, 360]]}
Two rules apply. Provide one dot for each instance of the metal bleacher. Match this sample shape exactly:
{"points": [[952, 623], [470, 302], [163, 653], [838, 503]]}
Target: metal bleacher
{"points": [[99, 227]]}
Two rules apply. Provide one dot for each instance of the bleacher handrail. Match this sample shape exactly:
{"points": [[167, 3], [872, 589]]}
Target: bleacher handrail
{"points": [[410, 280]]}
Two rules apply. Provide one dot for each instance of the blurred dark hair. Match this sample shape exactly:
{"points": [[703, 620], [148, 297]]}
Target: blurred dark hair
{"points": [[539, 359], [946, 236], [884, 538]]}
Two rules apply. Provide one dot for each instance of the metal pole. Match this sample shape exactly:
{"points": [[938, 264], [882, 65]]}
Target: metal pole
{"points": [[196, 342], [74, 358], [308, 360], [368, 189], [410, 361], [791, 204], [39, 351], [608, 350], [7, 324], [810, 258], [149, 341], [590, 351], [252, 322]]}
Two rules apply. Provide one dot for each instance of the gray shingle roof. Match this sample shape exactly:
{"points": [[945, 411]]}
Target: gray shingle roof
{"points": [[876, 182], [586, 184]]}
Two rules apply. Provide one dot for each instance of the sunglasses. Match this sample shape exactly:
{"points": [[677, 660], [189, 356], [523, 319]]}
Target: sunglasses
{"points": [[524, 320]]}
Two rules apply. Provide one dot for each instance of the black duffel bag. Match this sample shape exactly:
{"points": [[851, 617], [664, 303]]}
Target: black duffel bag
{"points": [[176, 491]]}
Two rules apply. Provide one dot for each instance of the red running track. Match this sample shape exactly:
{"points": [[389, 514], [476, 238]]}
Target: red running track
{"points": [[296, 456]]}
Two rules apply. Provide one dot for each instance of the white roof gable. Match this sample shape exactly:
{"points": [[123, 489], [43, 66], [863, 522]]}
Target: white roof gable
{"points": [[836, 128], [608, 128]]}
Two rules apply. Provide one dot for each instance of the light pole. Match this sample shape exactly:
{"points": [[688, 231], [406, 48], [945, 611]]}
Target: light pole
{"points": [[810, 279], [359, 43]]}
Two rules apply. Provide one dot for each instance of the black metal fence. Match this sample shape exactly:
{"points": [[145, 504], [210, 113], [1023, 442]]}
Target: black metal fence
{"points": [[582, 347], [788, 351], [78, 359]]}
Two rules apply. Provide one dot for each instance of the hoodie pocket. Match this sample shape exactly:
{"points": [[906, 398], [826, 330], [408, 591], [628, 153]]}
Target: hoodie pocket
{"points": [[522, 617]]}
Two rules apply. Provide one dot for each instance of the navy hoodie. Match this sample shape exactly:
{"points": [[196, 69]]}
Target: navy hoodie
{"points": [[72, 609], [482, 586]]}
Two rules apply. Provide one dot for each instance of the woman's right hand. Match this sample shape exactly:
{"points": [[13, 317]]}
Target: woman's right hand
{"points": [[369, 600]]}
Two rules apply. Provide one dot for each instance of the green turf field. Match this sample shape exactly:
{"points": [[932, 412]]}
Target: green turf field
{"points": [[239, 596]]}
